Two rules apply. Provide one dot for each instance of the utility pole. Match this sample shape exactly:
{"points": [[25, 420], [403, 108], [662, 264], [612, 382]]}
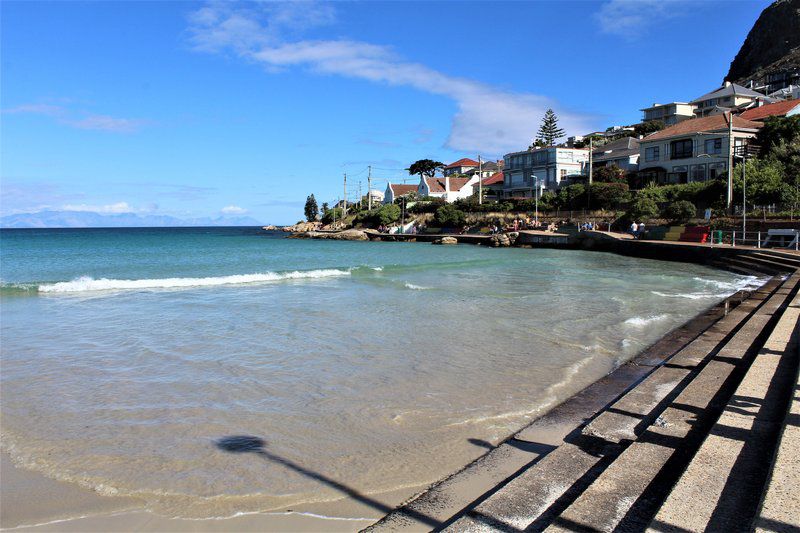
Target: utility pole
{"points": [[729, 197], [744, 197], [480, 180], [344, 206], [369, 188], [591, 140], [359, 195]]}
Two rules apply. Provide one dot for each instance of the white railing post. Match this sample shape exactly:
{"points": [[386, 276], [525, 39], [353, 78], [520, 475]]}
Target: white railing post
{"points": [[733, 239], [759, 239]]}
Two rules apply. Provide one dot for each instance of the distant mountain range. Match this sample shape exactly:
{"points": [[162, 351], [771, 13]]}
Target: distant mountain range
{"points": [[87, 219]]}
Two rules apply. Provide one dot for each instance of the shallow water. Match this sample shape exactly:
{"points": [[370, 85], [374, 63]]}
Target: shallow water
{"points": [[127, 354]]}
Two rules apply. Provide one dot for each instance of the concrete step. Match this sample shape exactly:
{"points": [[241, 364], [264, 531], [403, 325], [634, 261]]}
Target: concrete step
{"points": [[721, 488], [627, 494], [780, 507], [755, 265], [786, 259], [773, 262], [723, 264], [536, 495]]}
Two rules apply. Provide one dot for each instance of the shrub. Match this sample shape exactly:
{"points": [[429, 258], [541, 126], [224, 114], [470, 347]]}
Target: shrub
{"points": [[385, 214], [680, 211], [449, 216], [328, 216], [608, 195], [610, 174], [642, 209]]}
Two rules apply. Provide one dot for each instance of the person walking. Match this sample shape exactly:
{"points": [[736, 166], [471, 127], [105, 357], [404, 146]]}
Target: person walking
{"points": [[634, 229]]}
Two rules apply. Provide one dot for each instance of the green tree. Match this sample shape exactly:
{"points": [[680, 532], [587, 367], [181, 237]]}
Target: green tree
{"points": [[311, 209], [608, 195], [425, 168], [609, 174], [449, 216], [646, 128], [765, 183], [681, 211], [776, 130], [549, 132]]}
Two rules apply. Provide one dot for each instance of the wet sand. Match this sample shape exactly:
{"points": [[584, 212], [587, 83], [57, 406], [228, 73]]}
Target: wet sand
{"points": [[29, 501]]}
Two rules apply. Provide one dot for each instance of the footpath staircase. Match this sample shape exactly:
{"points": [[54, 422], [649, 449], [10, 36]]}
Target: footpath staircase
{"points": [[708, 440]]}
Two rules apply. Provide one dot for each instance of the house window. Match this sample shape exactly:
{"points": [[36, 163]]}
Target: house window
{"points": [[699, 172], [651, 154], [714, 146], [715, 169], [681, 149]]}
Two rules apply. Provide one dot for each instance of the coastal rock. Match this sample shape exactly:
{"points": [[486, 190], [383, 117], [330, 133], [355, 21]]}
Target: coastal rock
{"points": [[270, 228], [346, 235], [500, 240], [446, 240], [302, 227]]}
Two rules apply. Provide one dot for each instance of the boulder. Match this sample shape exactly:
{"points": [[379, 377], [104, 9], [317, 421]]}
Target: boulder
{"points": [[446, 240], [500, 240], [302, 227], [346, 235]]}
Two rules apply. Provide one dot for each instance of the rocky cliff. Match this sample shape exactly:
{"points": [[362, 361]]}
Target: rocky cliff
{"points": [[773, 44]]}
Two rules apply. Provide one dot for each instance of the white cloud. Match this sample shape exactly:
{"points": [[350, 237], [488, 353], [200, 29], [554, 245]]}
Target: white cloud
{"points": [[107, 123], [79, 119], [36, 109], [630, 18], [489, 120], [119, 207], [233, 210]]}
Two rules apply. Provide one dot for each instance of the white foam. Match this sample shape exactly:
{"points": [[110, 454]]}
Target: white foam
{"points": [[641, 321], [415, 287], [86, 284], [692, 295]]}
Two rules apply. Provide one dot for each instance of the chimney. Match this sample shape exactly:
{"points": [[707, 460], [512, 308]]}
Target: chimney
{"points": [[726, 84], [446, 187]]}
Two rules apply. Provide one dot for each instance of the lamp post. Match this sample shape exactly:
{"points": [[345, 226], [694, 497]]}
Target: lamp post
{"points": [[536, 201]]}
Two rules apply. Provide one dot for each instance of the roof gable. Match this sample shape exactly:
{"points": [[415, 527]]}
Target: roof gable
{"points": [[465, 162], [697, 125], [778, 109], [729, 90]]}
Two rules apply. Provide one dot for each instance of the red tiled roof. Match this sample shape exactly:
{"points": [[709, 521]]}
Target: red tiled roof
{"points": [[696, 125], [778, 109], [497, 177], [400, 190], [437, 184], [463, 163]]}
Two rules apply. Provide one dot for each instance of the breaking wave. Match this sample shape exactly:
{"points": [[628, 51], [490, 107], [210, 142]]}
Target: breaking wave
{"points": [[640, 321], [88, 284]]}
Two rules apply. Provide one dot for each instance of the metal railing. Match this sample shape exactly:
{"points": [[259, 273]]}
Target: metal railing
{"points": [[755, 239]]}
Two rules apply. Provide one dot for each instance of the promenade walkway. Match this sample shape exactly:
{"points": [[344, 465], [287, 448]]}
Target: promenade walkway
{"points": [[698, 433]]}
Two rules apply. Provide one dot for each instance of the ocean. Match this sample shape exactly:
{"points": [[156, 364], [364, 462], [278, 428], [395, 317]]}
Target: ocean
{"points": [[127, 356]]}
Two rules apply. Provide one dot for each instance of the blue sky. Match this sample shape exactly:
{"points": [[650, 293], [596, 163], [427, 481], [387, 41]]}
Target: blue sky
{"points": [[221, 108]]}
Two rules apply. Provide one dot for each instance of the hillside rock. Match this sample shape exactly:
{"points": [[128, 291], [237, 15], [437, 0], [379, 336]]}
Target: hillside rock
{"points": [[773, 44], [446, 240]]}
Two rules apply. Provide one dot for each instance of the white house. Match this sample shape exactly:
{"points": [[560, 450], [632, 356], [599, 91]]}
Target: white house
{"points": [[692, 150], [728, 97], [376, 196], [670, 114], [462, 166], [545, 167], [451, 189], [395, 191]]}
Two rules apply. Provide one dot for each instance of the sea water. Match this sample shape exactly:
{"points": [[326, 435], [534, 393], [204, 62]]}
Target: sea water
{"points": [[128, 355]]}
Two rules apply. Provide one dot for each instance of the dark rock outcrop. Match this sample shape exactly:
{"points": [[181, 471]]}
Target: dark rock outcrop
{"points": [[773, 44]]}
